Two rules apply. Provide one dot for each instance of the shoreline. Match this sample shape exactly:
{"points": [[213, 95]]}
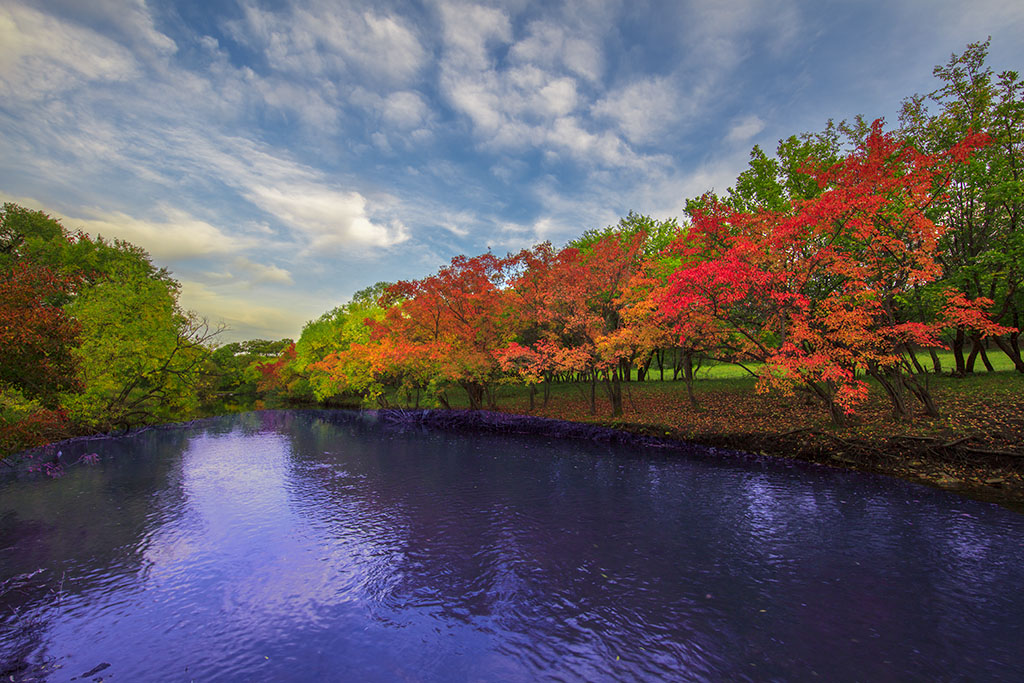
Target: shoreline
{"points": [[950, 465], [954, 464]]}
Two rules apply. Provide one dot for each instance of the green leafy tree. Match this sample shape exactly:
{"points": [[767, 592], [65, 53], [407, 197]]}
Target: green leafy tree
{"points": [[141, 358], [23, 231], [334, 332], [235, 385], [983, 252]]}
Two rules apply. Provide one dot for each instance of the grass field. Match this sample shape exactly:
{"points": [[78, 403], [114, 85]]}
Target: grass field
{"points": [[718, 370]]}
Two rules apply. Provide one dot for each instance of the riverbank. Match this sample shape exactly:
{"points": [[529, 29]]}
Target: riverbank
{"points": [[975, 449]]}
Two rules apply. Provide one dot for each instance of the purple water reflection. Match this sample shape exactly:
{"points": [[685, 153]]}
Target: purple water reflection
{"points": [[316, 545]]}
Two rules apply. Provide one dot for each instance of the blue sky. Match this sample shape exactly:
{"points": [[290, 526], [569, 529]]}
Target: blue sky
{"points": [[279, 155]]}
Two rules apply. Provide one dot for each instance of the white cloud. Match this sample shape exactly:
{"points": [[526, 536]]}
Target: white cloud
{"points": [[469, 30], [524, 105], [404, 109], [131, 22], [643, 109], [42, 55], [262, 272], [548, 45], [299, 196], [557, 97], [388, 48], [745, 128], [323, 38], [175, 236], [583, 58], [606, 148], [309, 105], [328, 218]]}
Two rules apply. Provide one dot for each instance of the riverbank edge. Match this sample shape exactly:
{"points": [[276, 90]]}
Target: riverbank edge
{"points": [[992, 478], [909, 458]]}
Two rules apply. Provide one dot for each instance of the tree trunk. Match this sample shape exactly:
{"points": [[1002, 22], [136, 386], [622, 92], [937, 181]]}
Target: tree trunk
{"points": [[958, 353], [475, 392], [922, 394], [644, 370], [913, 359], [593, 393], [688, 376], [890, 381], [1014, 345], [614, 387], [936, 361], [835, 412], [1012, 351], [978, 349], [533, 392]]}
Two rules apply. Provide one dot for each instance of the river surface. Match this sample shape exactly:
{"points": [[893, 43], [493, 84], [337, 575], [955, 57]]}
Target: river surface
{"points": [[321, 545]]}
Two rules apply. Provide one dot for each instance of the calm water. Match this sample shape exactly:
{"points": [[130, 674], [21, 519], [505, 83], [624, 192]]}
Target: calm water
{"points": [[314, 545]]}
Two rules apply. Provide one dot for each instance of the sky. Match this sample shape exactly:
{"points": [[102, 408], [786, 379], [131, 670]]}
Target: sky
{"points": [[279, 155]]}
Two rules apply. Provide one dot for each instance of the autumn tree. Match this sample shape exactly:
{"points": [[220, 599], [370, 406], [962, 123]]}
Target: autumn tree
{"points": [[37, 363], [817, 290], [532, 357], [236, 379], [36, 334], [573, 304], [335, 332], [443, 329]]}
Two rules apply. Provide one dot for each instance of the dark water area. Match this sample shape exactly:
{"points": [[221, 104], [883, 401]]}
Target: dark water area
{"points": [[317, 545]]}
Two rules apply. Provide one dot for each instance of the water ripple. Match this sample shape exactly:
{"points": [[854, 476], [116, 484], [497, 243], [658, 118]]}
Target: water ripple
{"points": [[310, 545]]}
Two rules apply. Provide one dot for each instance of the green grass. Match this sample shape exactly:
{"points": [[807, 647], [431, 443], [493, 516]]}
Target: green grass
{"points": [[729, 377], [719, 370], [1000, 361]]}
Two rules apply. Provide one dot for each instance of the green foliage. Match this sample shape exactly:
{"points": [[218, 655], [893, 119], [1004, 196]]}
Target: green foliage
{"points": [[22, 230], [25, 422], [658, 234], [774, 183], [234, 369], [334, 332], [141, 358], [983, 252]]}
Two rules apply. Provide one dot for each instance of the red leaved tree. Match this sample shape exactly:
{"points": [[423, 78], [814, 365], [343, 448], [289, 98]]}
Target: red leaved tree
{"points": [[36, 335], [818, 291], [449, 327]]}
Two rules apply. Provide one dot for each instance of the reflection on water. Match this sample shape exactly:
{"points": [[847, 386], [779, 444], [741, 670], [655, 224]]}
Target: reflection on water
{"points": [[308, 545]]}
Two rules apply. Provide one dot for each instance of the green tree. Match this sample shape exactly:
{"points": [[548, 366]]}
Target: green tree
{"points": [[235, 384], [333, 332], [141, 359], [983, 251], [24, 230]]}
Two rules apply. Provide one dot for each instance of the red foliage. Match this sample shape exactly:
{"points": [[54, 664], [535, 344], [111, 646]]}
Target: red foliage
{"points": [[274, 374], [817, 291], [36, 336], [36, 429]]}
